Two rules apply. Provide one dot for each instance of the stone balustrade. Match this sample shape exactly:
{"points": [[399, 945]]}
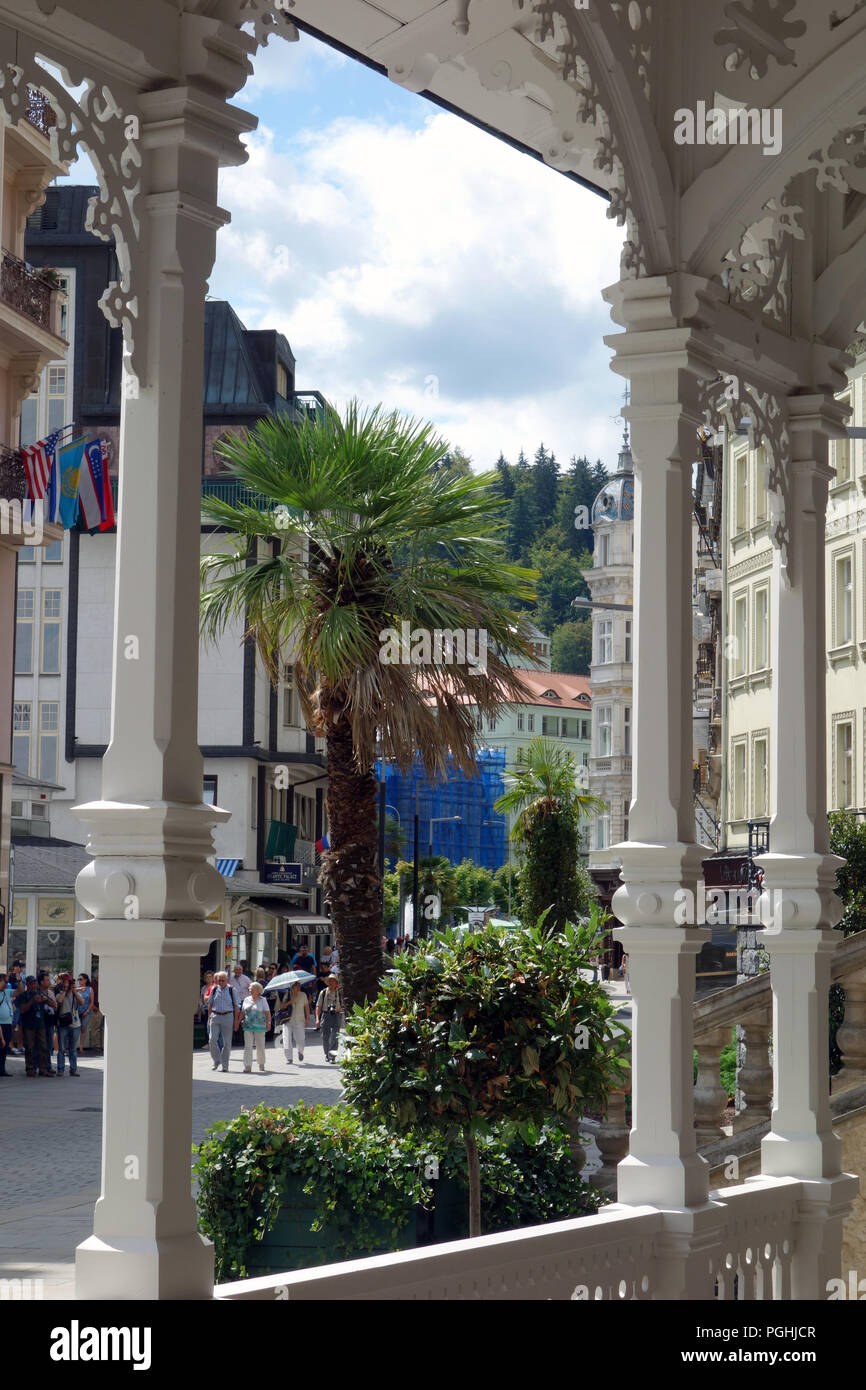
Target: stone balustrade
{"points": [[623, 1253], [749, 1005]]}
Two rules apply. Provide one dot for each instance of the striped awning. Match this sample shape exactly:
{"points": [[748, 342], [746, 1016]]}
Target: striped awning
{"points": [[227, 867]]}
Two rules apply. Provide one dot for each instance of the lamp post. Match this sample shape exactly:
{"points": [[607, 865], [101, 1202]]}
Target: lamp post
{"points": [[434, 820], [507, 851]]}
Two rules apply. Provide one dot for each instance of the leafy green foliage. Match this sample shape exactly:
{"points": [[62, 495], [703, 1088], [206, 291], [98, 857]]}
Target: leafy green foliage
{"points": [[361, 1176], [543, 791], [848, 839], [485, 1027], [525, 1184], [507, 873], [474, 883], [571, 647], [364, 1178]]}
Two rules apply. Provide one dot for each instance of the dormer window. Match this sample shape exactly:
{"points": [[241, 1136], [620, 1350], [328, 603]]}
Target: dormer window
{"points": [[549, 695]]}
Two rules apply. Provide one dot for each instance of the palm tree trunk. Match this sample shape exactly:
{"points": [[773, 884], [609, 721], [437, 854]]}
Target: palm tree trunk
{"points": [[474, 1169], [350, 868]]}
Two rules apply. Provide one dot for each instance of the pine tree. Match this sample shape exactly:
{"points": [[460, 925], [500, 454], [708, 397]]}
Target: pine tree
{"points": [[506, 476], [545, 474]]}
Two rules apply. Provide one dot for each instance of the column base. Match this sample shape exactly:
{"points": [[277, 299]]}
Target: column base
{"points": [[663, 1180], [130, 1269]]}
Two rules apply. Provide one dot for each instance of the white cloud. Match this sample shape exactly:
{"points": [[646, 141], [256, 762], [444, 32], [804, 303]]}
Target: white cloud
{"points": [[391, 255]]}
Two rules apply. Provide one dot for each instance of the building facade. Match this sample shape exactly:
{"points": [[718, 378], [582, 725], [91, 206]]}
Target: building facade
{"points": [[32, 333]]}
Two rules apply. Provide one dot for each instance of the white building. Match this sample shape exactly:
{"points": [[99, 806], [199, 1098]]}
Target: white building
{"points": [[611, 584]]}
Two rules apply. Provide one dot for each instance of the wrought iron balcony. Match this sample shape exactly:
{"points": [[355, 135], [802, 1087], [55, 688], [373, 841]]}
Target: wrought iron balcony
{"points": [[13, 482], [40, 113], [25, 290]]}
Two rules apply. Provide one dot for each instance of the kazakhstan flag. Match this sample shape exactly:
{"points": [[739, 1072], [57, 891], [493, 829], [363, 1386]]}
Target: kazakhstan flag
{"points": [[69, 458]]}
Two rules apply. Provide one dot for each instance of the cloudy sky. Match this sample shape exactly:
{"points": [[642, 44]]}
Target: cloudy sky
{"points": [[412, 259]]}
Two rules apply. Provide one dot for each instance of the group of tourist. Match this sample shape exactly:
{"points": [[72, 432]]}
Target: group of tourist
{"points": [[42, 1015], [238, 1009]]}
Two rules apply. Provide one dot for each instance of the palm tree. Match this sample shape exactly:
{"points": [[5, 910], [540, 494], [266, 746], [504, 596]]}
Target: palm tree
{"points": [[543, 791], [371, 534]]}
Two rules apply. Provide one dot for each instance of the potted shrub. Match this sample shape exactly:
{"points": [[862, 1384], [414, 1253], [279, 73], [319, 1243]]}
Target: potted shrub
{"points": [[487, 1027]]}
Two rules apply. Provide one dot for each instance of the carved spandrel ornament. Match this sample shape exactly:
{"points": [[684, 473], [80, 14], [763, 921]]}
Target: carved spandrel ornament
{"points": [[268, 18], [558, 20], [759, 31], [731, 400], [97, 124]]}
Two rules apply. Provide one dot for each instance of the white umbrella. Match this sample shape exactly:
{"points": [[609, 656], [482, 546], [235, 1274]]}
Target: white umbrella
{"points": [[291, 977]]}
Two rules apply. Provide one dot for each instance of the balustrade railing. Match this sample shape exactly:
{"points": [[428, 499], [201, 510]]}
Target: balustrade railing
{"points": [[25, 290], [749, 1005]]}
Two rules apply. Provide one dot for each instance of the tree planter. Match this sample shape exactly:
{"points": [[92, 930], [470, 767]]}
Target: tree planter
{"points": [[291, 1244]]}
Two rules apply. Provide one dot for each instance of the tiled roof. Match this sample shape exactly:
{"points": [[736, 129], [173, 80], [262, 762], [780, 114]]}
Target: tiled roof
{"points": [[571, 693], [46, 863]]}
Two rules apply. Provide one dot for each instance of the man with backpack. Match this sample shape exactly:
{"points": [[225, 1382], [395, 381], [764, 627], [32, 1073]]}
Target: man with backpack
{"points": [[224, 1017]]}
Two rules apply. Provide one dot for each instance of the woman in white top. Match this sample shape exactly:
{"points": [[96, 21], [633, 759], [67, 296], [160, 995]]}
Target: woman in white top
{"points": [[295, 1028], [256, 1017]]}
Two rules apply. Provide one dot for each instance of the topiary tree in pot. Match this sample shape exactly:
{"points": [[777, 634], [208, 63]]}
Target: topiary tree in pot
{"points": [[486, 1027]]}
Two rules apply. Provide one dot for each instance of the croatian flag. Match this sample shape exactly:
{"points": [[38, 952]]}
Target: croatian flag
{"points": [[40, 460], [91, 487]]}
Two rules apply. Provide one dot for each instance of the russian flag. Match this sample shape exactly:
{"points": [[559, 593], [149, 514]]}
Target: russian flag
{"points": [[323, 844]]}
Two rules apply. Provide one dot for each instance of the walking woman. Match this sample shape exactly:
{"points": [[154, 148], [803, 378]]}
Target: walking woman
{"points": [[5, 1023], [256, 1017], [295, 1022]]}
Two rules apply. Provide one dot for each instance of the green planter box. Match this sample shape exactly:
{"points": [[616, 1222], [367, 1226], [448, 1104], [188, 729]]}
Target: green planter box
{"points": [[290, 1244]]}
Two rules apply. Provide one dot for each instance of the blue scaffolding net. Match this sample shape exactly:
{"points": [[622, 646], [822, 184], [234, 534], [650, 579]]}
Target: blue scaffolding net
{"points": [[478, 834]]}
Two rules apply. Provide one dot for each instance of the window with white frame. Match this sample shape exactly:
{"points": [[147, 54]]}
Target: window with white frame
{"points": [[29, 420], [840, 452], [844, 764], [603, 553], [55, 398], [761, 620], [550, 725], [530, 723], [520, 721], [49, 658], [604, 723], [24, 632], [628, 640], [53, 554], [602, 832], [760, 762], [741, 492], [570, 727], [49, 716], [626, 730], [762, 496], [738, 781], [843, 600], [741, 635], [584, 728], [22, 714], [605, 641]]}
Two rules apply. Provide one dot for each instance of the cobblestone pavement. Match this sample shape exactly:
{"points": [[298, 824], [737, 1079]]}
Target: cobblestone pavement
{"points": [[50, 1145]]}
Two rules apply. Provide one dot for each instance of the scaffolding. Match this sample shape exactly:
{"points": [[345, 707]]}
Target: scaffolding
{"points": [[480, 833]]}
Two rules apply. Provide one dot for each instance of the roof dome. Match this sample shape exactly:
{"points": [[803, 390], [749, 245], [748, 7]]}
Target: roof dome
{"points": [[615, 502]]}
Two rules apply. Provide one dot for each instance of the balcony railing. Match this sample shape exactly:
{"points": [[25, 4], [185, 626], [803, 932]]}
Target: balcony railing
{"points": [[25, 290], [40, 113], [13, 482], [236, 494]]}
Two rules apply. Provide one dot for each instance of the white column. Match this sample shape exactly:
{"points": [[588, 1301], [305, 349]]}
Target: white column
{"points": [[150, 886], [799, 906], [664, 361]]}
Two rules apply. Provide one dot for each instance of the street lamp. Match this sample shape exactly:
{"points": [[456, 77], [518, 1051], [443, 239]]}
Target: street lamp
{"points": [[508, 851], [439, 820], [616, 607]]}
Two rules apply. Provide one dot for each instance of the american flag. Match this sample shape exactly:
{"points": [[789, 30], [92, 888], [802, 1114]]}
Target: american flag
{"points": [[39, 463]]}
